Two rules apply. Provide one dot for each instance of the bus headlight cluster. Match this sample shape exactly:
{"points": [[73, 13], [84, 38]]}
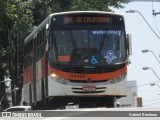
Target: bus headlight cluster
{"points": [[58, 78], [61, 80], [118, 79]]}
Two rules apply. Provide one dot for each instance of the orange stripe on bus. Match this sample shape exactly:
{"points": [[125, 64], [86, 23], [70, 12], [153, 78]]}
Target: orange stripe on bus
{"points": [[27, 75], [81, 76]]}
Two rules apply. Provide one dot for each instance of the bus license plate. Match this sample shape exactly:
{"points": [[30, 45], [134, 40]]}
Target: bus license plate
{"points": [[89, 88]]}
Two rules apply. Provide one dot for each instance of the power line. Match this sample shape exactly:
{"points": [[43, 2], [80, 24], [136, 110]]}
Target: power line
{"points": [[143, 84], [152, 104], [151, 100]]}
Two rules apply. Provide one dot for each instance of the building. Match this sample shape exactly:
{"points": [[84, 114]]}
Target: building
{"points": [[131, 96]]}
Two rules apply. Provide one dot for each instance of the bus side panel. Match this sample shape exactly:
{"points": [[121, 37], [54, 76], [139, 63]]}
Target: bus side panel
{"points": [[39, 80], [27, 81], [26, 94], [40, 75]]}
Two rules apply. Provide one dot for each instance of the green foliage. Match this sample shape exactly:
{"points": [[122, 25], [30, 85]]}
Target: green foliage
{"points": [[101, 5], [90, 5], [42, 8], [15, 23]]}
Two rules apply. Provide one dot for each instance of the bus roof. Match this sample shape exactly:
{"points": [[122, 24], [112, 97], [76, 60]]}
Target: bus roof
{"points": [[47, 20]]}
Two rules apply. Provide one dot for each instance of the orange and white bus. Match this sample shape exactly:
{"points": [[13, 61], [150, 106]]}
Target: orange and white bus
{"points": [[77, 56]]}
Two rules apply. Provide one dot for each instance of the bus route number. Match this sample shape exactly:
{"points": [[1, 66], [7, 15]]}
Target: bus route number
{"points": [[77, 76]]}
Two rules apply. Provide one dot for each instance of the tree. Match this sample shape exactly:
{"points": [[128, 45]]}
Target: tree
{"points": [[42, 8], [101, 5], [16, 22], [6, 22], [21, 27]]}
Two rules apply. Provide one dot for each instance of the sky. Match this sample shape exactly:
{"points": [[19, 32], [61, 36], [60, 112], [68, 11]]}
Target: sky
{"points": [[144, 38]]}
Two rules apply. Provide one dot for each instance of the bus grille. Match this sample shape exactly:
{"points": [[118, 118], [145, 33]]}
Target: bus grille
{"points": [[88, 70], [97, 90], [93, 81]]}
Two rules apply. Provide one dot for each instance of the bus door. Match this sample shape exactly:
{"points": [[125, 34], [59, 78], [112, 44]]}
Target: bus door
{"points": [[34, 71]]}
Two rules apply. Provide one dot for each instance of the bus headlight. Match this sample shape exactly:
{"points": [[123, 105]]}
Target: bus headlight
{"points": [[61, 80], [65, 81], [53, 75], [118, 79], [58, 78]]}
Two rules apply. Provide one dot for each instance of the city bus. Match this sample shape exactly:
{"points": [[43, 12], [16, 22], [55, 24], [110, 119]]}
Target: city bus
{"points": [[76, 57]]}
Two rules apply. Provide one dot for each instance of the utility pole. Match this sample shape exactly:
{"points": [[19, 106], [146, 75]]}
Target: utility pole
{"points": [[139, 102]]}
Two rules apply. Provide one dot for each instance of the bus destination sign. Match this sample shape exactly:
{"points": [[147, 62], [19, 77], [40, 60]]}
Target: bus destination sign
{"points": [[85, 19]]}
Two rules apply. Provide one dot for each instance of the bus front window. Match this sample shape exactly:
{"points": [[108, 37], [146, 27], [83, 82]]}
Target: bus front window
{"points": [[111, 45], [89, 46]]}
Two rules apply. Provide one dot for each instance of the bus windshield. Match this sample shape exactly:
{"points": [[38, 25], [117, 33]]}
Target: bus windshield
{"points": [[88, 46]]}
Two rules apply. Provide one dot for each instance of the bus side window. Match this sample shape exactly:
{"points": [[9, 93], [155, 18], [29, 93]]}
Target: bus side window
{"points": [[28, 51], [40, 47]]}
